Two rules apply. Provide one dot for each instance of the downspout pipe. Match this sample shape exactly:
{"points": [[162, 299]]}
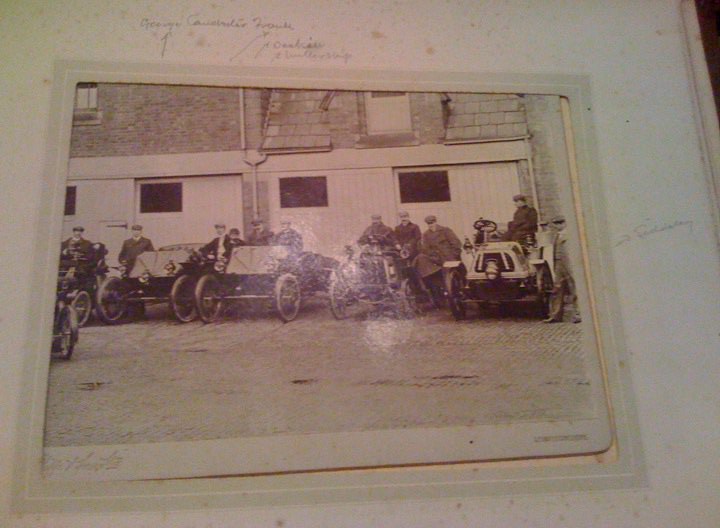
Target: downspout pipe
{"points": [[243, 145]]}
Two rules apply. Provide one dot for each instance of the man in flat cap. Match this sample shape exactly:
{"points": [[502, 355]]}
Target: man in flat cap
{"points": [[134, 246], [289, 238], [76, 247], [408, 234], [382, 233], [524, 220], [564, 285], [219, 246], [259, 234], [438, 245]]}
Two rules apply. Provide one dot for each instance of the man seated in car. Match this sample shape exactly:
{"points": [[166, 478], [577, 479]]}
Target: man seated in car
{"points": [[219, 246], [259, 235], [524, 222], [289, 238], [383, 234]]}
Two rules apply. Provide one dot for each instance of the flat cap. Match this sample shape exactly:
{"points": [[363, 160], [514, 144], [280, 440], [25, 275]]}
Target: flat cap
{"points": [[403, 214], [137, 227], [430, 218], [219, 224], [78, 228], [519, 197], [257, 222], [375, 217], [234, 231]]}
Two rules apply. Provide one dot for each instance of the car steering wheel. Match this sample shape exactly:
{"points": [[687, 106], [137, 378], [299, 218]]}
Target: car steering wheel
{"points": [[487, 226]]}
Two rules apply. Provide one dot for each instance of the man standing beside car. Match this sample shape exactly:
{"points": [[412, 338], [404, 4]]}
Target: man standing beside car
{"points": [[134, 246], [408, 234], [564, 285], [383, 234], [439, 244]]}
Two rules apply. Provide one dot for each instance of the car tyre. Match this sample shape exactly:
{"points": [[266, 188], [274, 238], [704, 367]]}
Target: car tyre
{"points": [[544, 291], [208, 298], [455, 296], [82, 303], [66, 333], [287, 297], [182, 299], [112, 305]]}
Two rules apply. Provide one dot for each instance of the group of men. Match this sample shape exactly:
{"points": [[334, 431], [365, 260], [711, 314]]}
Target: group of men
{"points": [[428, 250]]}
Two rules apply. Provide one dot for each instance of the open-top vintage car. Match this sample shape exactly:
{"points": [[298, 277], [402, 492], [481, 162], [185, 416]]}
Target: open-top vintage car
{"points": [[498, 272], [267, 274], [166, 275], [378, 275], [79, 276]]}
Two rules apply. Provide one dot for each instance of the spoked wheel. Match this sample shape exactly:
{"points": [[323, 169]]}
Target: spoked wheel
{"points": [[182, 299], [545, 289], [455, 296], [343, 301], [209, 298], [112, 304], [287, 297], [66, 333], [82, 303]]}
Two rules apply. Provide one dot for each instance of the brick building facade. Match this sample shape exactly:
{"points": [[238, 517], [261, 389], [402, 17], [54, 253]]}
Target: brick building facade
{"points": [[324, 159]]}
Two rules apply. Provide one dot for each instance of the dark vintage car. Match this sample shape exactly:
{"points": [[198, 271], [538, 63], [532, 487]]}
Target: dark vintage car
{"points": [[266, 274], [497, 272], [377, 276], [166, 275], [79, 277]]}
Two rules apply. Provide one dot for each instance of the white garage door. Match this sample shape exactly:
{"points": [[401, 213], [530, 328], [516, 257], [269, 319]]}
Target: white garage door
{"points": [[458, 195], [177, 210]]}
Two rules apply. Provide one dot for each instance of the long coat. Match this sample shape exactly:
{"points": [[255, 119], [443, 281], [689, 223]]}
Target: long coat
{"points": [[213, 247], [378, 230], [131, 248], [409, 237], [260, 238], [524, 222], [437, 247], [291, 239]]}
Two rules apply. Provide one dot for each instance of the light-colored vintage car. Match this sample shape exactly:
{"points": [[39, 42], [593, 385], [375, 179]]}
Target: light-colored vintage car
{"points": [[166, 275], [266, 274], [500, 272]]}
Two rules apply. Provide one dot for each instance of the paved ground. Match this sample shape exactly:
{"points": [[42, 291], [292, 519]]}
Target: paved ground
{"points": [[157, 380]]}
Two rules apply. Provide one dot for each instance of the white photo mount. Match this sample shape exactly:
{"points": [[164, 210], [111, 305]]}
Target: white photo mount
{"points": [[530, 456]]}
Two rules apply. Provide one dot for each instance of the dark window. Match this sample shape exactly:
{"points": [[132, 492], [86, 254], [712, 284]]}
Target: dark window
{"points": [[306, 191], [426, 186], [70, 200], [161, 197]]}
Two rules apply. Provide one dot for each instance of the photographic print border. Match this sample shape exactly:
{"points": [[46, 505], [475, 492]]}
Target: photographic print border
{"points": [[621, 466]]}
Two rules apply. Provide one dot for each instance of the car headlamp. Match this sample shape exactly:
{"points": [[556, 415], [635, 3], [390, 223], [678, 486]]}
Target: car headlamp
{"points": [[220, 266], [123, 270], [145, 277], [170, 268]]}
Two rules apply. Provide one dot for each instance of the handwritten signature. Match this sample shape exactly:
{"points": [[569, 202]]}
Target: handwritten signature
{"points": [[88, 462], [649, 228], [259, 37]]}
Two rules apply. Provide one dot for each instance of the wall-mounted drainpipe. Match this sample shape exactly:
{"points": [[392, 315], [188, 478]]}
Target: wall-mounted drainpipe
{"points": [[254, 164]]}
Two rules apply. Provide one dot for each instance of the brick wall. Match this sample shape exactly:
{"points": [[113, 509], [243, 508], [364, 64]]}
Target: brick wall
{"points": [[149, 119], [549, 156], [344, 119], [426, 112], [486, 116]]}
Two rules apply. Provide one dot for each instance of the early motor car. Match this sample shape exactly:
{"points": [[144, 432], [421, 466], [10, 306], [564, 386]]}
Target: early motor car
{"points": [[497, 272], [166, 275], [272, 275], [378, 276]]}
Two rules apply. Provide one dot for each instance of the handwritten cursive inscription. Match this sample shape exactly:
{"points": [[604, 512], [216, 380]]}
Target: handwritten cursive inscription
{"points": [[256, 37], [90, 461], [649, 228]]}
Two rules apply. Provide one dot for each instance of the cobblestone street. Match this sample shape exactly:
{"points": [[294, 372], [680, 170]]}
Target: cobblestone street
{"points": [[157, 380]]}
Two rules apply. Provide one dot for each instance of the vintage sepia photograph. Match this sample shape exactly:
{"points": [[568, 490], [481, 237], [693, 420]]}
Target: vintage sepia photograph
{"points": [[320, 279]]}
